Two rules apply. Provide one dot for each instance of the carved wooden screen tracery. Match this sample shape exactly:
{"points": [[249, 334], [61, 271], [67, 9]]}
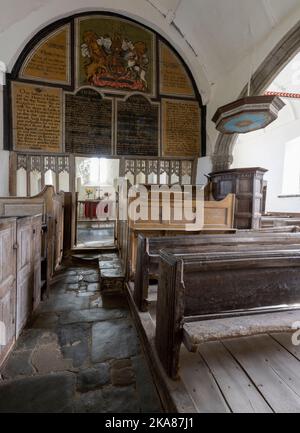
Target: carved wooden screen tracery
{"points": [[33, 172], [160, 171]]}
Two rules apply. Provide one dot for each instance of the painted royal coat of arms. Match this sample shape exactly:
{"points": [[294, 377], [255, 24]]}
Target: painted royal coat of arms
{"points": [[116, 54]]}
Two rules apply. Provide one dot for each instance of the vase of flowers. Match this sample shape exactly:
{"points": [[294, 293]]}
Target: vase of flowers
{"points": [[88, 192]]}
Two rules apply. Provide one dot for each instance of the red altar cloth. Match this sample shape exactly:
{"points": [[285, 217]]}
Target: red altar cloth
{"points": [[90, 209]]}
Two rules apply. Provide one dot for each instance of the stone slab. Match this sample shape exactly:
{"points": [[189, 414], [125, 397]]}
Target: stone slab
{"points": [[40, 394], [113, 340], [18, 365], [93, 378], [147, 394], [74, 342], [91, 402], [63, 302], [91, 315], [121, 400]]}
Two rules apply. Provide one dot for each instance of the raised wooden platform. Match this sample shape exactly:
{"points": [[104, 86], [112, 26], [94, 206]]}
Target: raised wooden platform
{"points": [[258, 374], [253, 374]]}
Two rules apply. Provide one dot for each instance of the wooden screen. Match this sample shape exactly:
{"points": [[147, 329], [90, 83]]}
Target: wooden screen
{"points": [[160, 171], [31, 173]]}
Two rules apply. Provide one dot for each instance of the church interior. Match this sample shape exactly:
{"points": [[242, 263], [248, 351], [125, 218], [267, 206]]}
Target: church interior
{"points": [[150, 206]]}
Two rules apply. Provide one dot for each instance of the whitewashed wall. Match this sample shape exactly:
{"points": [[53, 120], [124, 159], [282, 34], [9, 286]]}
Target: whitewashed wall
{"points": [[266, 149], [204, 168], [4, 156]]}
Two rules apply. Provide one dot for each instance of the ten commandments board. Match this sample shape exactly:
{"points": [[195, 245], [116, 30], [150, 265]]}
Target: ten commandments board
{"points": [[181, 128], [88, 123], [37, 118]]}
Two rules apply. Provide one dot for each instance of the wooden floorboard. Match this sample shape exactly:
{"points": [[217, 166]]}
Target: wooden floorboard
{"points": [[286, 366], [275, 372], [285, 339], [200, 384], [239, 391], [254, 374]]}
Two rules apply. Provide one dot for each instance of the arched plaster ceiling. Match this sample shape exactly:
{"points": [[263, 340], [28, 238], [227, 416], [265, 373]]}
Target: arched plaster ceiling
{"points": [[217, 31], [221, 32]]}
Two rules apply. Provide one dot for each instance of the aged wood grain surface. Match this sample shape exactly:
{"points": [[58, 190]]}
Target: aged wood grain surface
{"points": [[274, 371]]}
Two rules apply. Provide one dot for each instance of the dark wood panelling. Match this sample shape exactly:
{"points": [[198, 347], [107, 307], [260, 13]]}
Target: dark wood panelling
{"points": [[247, 184]]}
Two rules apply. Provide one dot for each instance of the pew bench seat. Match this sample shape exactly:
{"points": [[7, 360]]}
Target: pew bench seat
{"points": [[196, 333]]}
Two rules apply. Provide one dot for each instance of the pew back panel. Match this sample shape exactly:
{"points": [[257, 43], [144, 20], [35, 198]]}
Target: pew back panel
{"points": [[36, 259], [51, 206], [20, 275], [24, 272], [219, 215], [149, 248], [7, 286], [223, 282], [164, 214], [28, 268], [58, 214]]}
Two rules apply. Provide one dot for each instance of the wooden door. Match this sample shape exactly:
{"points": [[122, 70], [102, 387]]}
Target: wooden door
{"points": [[7, 286], [24, 271], [36, 259]]}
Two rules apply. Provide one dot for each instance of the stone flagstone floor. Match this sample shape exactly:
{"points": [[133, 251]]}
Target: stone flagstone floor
{"points": [[81, 353]]}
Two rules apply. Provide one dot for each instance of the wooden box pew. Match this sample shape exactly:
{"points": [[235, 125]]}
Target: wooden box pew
{"points": [[148, 250], [51, 207], [218, 218], [8, 286], [277, 219], [209, 297], [20, 275], [28, 244]]}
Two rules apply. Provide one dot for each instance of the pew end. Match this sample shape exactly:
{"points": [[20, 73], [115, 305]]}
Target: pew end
{"points": [[211, 297], [169, 313]]}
